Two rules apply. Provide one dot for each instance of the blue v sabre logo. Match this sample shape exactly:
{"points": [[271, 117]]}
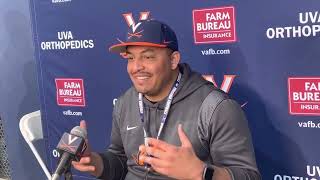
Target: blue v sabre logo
{"points": [[72, 139], [70, 143], [135, 34], [134, 27]]}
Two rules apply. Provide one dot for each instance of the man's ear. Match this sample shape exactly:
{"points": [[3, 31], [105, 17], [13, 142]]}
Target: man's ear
{"points": [[175, 59]]}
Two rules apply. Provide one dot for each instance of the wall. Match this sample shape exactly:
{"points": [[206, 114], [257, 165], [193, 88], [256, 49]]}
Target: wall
{"points": [[18, 86]]}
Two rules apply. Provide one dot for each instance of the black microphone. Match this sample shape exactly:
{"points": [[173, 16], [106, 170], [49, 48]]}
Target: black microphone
{"points": [[71, 146]]}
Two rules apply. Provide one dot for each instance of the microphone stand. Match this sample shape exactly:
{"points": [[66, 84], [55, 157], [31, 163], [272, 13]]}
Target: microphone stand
{"points": [[68, 174]]}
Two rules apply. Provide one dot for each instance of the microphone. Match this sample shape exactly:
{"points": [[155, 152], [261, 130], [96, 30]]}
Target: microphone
{"points": [[71, 146]]}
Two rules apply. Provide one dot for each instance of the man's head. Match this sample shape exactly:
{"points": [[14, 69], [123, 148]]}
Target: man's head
{"points": [[152, 53], [152, 69]]}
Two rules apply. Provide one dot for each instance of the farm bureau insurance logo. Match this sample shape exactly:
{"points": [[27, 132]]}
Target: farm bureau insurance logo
{"points": [[304, 95], [70, 92], [309, 27], [66, 40], [215, 25]]}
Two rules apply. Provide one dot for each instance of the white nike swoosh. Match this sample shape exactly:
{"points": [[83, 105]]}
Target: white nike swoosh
{"points": [[130, 128], [244, 104]]}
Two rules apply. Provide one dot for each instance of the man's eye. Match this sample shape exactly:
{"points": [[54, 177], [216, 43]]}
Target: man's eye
{"points": [[148, 57], [129, 58]]}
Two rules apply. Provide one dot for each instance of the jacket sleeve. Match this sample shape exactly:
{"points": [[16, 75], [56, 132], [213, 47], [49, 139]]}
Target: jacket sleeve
{"points": [[114, 159], [229, 139]]}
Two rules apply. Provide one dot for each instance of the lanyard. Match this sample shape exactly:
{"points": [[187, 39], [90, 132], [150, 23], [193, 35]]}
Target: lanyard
{"points": [[165, 113]]}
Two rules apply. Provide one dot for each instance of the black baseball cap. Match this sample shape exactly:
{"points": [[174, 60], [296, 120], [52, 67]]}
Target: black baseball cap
{"points": [[148, 33]]}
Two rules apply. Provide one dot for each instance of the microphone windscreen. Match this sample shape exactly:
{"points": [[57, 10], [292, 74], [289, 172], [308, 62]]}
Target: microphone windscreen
{"points": [[78, 131]]}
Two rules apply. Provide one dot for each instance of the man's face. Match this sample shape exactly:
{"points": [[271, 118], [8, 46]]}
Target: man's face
{"points": [[150, 69]]}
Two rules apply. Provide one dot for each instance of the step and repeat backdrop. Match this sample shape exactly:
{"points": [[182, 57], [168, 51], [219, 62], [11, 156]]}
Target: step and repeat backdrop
{"points": [[265, 54]]}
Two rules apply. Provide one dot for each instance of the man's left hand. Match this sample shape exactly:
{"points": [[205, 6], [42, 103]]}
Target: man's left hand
{"points": [[179, 162]]}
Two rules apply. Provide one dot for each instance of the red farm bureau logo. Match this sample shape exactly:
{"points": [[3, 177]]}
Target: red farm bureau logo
{"points": [[215, 25], [304, 95], [70, 92]]}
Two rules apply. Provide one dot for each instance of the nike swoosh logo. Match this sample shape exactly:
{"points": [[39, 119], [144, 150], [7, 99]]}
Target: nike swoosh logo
{"points": [[244, 104], [130, 128]]}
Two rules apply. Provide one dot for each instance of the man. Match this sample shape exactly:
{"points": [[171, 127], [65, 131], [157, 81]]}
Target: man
{"points": [[172, 124]]}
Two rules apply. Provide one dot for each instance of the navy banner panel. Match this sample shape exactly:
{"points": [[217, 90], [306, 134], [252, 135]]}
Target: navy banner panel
{"points": [[265, 54]]}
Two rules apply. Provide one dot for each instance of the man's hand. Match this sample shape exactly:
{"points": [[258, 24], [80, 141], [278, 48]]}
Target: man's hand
{"points": [[179, 162], [91, 162]]}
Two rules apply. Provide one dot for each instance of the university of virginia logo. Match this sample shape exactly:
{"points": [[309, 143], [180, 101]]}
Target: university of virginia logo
{"points": [[225, 85], [131, 22], [128, 17], [71, 143]]}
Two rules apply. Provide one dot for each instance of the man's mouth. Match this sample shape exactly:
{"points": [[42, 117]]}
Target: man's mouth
{"points": [[142, 77]]}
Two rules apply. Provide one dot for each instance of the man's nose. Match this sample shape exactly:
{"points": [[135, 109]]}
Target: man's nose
{"points": [[138, 64]]}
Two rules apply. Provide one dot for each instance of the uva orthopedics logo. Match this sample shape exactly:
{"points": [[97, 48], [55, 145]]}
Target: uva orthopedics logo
{"points": [[66, 40], [214, 25], [312, 173], [309, 26], [304, 95], [70, 92]]}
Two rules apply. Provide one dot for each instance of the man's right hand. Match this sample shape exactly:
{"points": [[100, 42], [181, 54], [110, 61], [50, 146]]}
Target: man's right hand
{"points": [[91, 162]]}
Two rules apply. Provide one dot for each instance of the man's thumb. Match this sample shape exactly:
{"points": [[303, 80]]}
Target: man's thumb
{"points": [[83, 124]]}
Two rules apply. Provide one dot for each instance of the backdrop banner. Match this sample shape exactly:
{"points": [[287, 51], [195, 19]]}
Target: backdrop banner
{"points": [[265, 54]]}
